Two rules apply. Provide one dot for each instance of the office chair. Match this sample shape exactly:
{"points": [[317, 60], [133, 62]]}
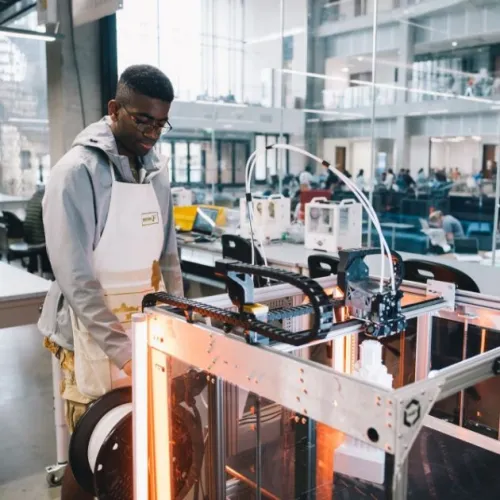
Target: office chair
{"points": [[419, 271], [238, 248], [4, 242], [466, 245], [449, 331], [15, 226], [30, 246], [321, 266]]}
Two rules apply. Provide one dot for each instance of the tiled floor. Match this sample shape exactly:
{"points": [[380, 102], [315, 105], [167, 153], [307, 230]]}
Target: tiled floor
{"points": [[27, 438]]}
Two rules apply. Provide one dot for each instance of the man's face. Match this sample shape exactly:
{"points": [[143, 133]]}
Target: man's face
{"points": [[437, 222], [138, 124]]}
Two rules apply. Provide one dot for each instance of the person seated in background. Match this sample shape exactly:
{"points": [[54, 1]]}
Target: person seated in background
{"points": [[450, 225]]}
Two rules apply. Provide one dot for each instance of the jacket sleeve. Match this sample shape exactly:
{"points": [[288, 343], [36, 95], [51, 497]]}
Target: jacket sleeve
{"points": [[170, 262], [70, 225]]}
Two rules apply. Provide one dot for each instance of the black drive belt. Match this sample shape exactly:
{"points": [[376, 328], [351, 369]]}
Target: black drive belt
{"points": [[319, 304]]}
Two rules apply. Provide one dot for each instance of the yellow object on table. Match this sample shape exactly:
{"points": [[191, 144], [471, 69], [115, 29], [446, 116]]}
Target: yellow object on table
{"points": [[184, 216]]}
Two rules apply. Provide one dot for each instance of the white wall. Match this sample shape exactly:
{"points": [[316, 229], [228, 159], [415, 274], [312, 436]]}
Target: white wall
{"points": [[361, 158], [297, 161], [466, 155], [263, 45], [419, 154]]}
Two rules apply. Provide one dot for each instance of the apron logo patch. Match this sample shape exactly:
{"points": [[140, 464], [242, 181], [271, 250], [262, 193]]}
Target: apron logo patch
{"points": [[150, 218]]}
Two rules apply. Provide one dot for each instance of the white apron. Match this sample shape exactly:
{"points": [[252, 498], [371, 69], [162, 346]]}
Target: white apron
{"points": [[126, 263]]}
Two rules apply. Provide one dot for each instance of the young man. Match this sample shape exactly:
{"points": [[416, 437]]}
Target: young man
{"points": [[110, 238]]}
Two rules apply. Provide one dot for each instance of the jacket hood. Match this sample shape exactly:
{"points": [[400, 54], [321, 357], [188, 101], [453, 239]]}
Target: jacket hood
{"points": [[98, 135]]}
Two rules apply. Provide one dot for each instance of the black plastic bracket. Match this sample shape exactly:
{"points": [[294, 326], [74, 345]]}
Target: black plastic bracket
{"points": [[496, 366]]}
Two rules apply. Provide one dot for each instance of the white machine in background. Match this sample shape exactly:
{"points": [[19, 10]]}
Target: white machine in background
{"points": [[332, 226], [182, 197], [271, 217]]}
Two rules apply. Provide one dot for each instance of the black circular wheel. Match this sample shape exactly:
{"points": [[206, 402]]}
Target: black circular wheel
{"points": [[114, 474], [79, 444]]}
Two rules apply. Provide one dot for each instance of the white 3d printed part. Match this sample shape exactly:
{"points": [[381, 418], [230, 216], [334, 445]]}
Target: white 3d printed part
{"points": [[355, 458]]}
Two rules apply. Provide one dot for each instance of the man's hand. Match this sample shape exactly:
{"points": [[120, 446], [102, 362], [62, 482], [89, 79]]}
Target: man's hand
{"points": [[127, 368]]}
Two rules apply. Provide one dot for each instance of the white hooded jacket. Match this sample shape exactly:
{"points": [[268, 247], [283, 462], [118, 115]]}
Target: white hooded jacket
{"points": [[75, 208]]}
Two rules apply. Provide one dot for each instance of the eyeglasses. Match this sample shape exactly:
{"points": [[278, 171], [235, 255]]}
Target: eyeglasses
{"points": [[145, 126]]}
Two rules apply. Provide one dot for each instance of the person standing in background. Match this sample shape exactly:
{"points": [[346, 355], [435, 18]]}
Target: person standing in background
{"points": [[360, 180], [306, 178]]}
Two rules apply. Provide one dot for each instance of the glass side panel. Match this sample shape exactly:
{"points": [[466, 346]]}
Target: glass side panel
{"points": [[478, 408], [252, 443]]}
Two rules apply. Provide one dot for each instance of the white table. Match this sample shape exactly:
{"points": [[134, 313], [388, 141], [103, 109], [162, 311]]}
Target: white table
{"points": [[10, 202], [292, 257], [21, 296]]}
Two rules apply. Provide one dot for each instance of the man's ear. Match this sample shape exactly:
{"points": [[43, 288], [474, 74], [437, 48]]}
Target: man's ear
{"points": [[113, 108]]}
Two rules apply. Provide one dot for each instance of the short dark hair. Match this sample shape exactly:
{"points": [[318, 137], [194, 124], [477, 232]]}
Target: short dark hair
{"points": [[146, 80]]}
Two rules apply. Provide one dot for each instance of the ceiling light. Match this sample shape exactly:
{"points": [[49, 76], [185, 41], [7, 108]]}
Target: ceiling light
{"points": [[345, 70], [34, 35], [477, 138], [454, 44], [360, 58], [436, 139]]}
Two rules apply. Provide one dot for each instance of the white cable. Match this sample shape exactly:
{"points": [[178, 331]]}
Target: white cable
{"points": [[357, 192], [260, 237], [249, 203], [366, 204], [250, 166]]}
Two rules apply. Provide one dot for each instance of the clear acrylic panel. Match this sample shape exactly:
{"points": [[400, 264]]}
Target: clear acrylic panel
{"points": [[226, 442]]}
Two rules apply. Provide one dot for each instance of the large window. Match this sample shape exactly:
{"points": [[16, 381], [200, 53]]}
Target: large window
{"points": [[268, 165], [198, 43], [24, 131], [193, 162]]}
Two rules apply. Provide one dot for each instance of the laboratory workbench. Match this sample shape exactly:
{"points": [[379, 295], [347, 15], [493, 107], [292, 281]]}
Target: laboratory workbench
{"points": [[9, 202], [21, 296], [293, 257]]}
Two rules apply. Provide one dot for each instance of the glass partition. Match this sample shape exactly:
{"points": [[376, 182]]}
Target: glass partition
{"points": [[24, 131], [400, 94]]}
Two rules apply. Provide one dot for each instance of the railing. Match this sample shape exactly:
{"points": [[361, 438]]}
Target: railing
{"points": [[357, 97]]}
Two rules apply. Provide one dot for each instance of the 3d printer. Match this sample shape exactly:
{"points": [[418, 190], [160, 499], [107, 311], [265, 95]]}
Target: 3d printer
{"points": [[247, 395]]}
